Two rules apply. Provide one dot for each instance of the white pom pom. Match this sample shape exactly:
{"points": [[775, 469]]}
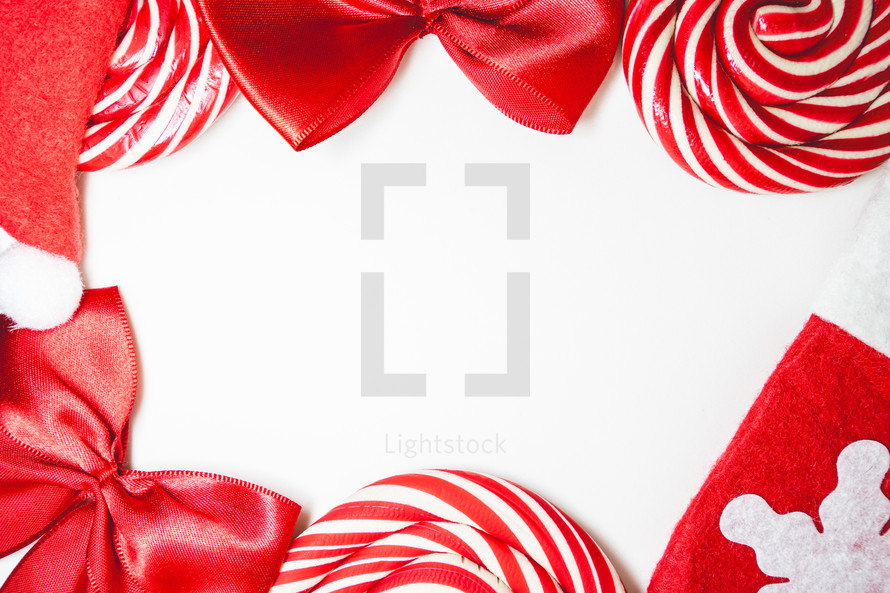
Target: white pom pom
{"points": [[38, 290]]}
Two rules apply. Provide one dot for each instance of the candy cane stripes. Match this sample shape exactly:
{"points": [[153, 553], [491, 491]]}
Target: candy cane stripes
{"points": [[166, 85], [450, 530], [763, 98]]}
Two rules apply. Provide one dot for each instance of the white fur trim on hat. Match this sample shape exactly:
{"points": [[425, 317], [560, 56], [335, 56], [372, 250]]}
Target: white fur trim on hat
{"points": [[38, 290], [857, 295]]}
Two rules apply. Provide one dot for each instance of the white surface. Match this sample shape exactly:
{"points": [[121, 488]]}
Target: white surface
{"points": [[659, 305]]}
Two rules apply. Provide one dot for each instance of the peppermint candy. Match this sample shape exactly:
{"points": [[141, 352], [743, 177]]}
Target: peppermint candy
{"points": [[447, 530], [763, 98], [165, 86]]}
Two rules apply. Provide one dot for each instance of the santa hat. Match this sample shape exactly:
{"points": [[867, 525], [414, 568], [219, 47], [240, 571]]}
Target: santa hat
{"points": [[55, 55], [800, 500]]}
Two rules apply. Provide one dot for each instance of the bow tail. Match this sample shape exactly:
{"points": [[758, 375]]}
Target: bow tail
{"points": [[322, 100], [30, 504], [188, 532], [355, 101], [58, 562], [310, 68], [539, 63], [512, 96]]}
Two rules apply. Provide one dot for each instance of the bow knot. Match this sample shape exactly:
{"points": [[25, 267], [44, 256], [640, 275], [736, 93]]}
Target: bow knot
{"points": [[104, 478], [106, 474], [311, 67], [65, 401], [429, 20]]}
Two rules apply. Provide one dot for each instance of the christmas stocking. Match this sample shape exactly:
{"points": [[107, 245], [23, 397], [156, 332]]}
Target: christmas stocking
{"points": [[798, 503], [55, 56]]}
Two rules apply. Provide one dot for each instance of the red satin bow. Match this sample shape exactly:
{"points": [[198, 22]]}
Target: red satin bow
{"points": [[65, 401], [311, 67]]}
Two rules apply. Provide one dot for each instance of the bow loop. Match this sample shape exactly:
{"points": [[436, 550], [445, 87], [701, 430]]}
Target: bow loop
{"points": [[313, 67], [67, 394], [65, 399]]}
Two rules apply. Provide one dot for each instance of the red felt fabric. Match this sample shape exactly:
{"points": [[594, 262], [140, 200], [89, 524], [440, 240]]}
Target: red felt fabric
{"points": [[54, 58], [829, 390]]}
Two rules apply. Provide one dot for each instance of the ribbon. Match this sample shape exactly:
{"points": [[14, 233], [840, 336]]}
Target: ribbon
{"points": [[311, 67], [65, 402]]}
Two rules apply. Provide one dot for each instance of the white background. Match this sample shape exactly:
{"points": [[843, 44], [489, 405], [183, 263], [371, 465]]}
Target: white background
{"points": [[659, 304]]}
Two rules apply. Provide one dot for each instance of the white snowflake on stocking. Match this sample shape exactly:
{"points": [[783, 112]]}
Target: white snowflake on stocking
{"points": [[850, 555]]}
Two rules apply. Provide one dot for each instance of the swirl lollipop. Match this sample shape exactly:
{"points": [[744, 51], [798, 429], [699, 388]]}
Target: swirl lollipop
{"points": [[449, 530], [790, 97], [165, 86]]}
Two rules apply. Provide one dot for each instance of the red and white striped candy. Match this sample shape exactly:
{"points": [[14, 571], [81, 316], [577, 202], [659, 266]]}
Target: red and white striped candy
{"points": [[165, 86], [790, 97], [446, 530]]}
